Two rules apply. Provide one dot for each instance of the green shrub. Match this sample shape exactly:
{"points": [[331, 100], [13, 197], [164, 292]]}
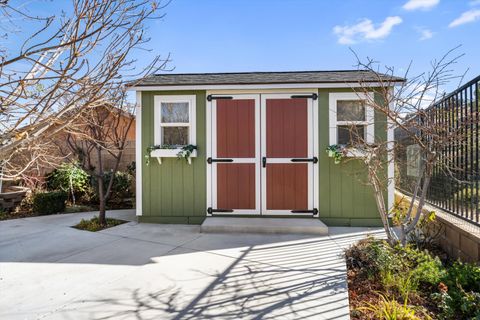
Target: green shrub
{"points": [[131, 168], [425, 268], [465, 275], [461, 293], [70, 178], [402, 269], [121, 187], [49, 202]]}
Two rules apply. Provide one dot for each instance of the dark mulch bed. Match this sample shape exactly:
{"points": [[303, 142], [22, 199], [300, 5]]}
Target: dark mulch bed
{"points": [[18, 214]]}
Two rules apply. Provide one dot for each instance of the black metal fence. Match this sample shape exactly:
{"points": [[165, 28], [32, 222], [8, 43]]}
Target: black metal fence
{"points": [[455, 181]]}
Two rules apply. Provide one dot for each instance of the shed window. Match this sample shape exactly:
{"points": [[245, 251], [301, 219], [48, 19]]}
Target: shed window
{"points": [[351, 119], [174, 120]]}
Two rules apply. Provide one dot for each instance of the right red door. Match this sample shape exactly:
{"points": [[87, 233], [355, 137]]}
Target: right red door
{"points": [[287, 155]]}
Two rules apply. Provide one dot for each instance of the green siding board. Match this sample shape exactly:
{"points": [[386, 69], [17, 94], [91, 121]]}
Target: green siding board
{"points": [[345, 198], [175, 192], [200, 175]]}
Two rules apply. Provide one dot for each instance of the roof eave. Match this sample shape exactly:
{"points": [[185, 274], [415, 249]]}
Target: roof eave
{"points": [[263, 85]]}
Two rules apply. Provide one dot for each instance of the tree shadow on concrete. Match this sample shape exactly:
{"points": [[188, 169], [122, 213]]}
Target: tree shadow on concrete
{"points": [[299, 280]]}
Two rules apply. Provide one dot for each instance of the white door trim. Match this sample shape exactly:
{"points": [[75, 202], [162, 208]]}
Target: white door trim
{"points": [[212, 152], [312, 129], [260, 150]]}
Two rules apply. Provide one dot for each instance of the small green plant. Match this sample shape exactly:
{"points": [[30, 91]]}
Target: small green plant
{"points": [[148, 154], [3, 214], [70, 178], [49, 202], [186, 151], [131, 168], [390, 309], [94, 224], [460, 292], [335, 151]]}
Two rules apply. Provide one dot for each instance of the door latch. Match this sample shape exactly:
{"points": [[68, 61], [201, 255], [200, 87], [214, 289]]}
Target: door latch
{"points": [[314, 160], [264, 162]]}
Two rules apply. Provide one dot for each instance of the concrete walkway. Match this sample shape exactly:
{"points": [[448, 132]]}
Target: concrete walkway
{"points": [[146, 271]]}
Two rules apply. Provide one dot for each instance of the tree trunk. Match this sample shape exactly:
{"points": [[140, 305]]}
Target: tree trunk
{"points": [[101, 199]]}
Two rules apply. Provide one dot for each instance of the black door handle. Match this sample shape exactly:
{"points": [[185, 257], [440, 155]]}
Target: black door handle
{"points": [[264, 162], [314, 160], [210, 160]]}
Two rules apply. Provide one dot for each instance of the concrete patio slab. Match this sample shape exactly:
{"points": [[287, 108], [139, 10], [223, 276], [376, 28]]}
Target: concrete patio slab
{"points": [[146, 271]]}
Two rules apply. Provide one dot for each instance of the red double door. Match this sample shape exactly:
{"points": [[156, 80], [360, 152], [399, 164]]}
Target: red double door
{"points": [[261, 154]]}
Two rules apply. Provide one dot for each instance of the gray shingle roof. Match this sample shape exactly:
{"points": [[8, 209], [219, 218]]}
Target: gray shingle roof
{"points": [[236, 78]]}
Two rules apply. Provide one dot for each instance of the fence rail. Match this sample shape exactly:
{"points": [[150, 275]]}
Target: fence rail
{"points": [[455, 190]]}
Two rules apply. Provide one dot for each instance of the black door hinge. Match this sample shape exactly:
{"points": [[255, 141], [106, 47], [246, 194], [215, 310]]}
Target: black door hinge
{"points": [[312, 96], [314, 160], [210, 160], [314, 211], [210, 97], [210, 210]]}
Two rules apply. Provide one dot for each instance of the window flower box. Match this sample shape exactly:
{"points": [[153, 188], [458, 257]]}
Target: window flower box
{"points": [[171, 153], [338, 152]]}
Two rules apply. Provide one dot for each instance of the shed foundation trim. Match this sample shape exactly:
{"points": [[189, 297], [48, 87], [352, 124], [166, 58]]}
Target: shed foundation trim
{"points": [[264, 225]]}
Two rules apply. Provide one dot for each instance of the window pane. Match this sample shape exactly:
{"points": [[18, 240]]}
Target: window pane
{"points": [[175, 112], [350, 110], [175, 136], [350, 135]]}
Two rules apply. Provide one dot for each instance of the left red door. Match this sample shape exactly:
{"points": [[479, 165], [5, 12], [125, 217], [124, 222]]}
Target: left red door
{"points": [[235, 152]]}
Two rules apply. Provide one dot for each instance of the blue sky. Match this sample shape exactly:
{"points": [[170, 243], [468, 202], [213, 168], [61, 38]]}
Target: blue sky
{"points": [[270, 35], [276, 35]]}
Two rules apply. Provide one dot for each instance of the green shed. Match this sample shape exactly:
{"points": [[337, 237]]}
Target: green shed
{"points": [[253, 144]]}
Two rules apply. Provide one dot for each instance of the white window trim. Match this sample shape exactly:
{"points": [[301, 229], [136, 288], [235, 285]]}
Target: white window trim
{"points": [[369, 117], [192, 139]]}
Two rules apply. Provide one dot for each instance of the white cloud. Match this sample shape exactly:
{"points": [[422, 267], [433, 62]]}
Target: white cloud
{"points": [[420, 4], [425, 34], [365, 30], [466, 17]]}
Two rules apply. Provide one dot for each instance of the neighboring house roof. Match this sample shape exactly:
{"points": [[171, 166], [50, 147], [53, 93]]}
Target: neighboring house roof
{"points": [[241, 78]]}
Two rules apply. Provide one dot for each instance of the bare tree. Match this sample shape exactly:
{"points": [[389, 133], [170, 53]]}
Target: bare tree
{"points": [[96, 133], [405, 106], [70, 64]]}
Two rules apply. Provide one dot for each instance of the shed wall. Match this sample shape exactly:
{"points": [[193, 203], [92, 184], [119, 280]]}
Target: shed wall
{"points": [[175, 192]]}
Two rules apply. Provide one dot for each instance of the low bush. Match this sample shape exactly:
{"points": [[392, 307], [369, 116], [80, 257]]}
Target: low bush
{"points": [[459, 292], [122, 187], [448, 291], [399, 269], [94, 224], [70, 178], [49, 202]]}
